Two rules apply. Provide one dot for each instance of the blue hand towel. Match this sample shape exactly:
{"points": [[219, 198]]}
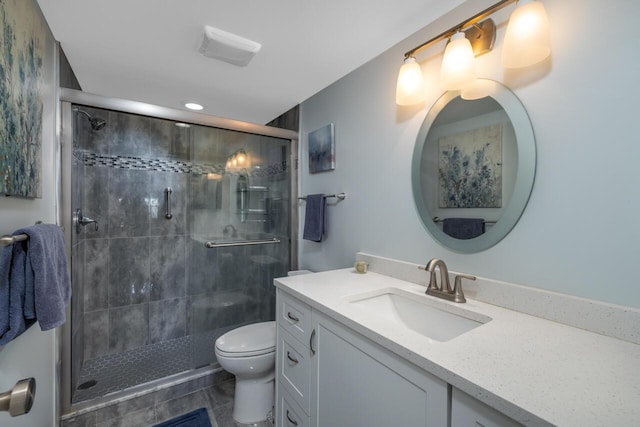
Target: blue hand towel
{"points": [[12, 289], [36, 277], [315, 221], [463, 228]]}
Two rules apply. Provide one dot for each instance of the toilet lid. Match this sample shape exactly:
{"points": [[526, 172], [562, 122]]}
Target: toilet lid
{"points": [[249, 340]]}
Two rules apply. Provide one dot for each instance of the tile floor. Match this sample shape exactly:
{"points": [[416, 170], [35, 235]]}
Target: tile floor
{"points": [[148, 410]]}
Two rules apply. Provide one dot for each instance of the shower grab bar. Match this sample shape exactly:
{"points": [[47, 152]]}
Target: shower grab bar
{"points": [[223, 244], [167, 203]]}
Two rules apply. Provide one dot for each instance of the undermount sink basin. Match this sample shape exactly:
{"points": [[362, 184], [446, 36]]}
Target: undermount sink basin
{"points": [[421, 314]]}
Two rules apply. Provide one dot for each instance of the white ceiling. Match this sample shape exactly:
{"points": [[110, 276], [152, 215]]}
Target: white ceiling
{"points": [[146, 50]]}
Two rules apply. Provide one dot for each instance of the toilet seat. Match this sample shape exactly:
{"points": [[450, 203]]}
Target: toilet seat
{"points": [[250, 340]]}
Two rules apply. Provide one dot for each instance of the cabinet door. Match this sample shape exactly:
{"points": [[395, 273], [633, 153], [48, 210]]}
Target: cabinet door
{"points": [[467, 411], [357, 383], [289, 414]]}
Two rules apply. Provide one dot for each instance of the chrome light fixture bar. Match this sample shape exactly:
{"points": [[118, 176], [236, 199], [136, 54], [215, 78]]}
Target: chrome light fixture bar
{"points": [[526, 43]]}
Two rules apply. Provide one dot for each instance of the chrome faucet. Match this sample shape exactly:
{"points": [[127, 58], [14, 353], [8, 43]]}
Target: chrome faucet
{"points": [[444, 290]]}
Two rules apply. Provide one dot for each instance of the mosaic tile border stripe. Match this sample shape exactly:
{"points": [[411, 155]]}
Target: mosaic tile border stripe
{"points": [[176, 166]]}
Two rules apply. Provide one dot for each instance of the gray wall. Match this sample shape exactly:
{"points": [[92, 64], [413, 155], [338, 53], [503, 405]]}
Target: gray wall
{"points": [[579, 232], [34, 353]]}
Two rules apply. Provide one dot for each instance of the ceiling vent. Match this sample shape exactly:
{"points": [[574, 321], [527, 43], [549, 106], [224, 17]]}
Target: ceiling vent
{"points": [[228, 47]]}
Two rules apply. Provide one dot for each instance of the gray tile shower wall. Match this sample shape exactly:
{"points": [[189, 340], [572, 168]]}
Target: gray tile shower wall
{"points": [[134, 278], [147, 279]]}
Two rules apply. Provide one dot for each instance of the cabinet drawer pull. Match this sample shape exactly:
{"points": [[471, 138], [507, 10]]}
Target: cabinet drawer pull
{"points": [[293, 359], [292, 317], [294, 422], [313, 334]]}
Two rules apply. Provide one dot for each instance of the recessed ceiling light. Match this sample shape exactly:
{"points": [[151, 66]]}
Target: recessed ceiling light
{"points": [[183, 125], [193, 106]]}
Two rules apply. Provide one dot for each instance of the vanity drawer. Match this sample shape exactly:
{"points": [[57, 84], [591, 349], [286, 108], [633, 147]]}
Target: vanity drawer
{"points": [[290, 414], [293, 368], [294, 316]]}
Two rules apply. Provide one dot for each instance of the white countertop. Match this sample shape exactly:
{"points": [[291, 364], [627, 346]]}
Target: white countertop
{"points": [[535, 371]]}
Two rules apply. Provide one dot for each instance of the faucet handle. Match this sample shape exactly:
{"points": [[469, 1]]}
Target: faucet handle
{"points": [[458, 295]]}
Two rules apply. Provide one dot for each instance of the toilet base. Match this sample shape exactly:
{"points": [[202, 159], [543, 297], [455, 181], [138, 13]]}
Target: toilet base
{"points": [[253, 399]]}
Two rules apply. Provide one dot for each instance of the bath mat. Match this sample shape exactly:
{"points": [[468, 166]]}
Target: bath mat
{"points": [[197, 418]]}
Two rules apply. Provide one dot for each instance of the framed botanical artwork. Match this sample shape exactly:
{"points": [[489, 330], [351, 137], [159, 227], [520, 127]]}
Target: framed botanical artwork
{"points": [[470, 168], [22, 40], [322, 149]]}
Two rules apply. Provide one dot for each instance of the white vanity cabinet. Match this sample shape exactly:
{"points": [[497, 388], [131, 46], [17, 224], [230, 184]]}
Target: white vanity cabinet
{"points": [[467, 411], [332, 376]]}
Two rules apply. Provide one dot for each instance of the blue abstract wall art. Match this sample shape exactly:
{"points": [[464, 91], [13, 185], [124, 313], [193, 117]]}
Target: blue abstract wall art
{"points": [[470, 168], [22, 35], [322, 149]]}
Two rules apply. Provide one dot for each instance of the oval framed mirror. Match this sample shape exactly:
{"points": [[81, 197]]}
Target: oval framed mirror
{"points": [[473, 167]]}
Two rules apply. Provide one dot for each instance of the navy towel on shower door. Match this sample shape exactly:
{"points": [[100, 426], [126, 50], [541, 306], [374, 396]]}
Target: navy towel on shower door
{"points": [[315, 221]]}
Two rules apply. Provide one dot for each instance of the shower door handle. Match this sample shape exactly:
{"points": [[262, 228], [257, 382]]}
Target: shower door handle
{"points": [[167, 202]]}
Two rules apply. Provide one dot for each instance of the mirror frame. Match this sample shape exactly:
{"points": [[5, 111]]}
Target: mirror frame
{"points": [[525, 173]]}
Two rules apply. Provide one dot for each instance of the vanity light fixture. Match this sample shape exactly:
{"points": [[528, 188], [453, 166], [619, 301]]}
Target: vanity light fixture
{"points": [[457, 63], [526, 43], [237, 161]]}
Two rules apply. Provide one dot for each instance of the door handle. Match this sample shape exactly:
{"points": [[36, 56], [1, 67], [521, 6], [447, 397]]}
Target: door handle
{"points": [[313, 334], [19, 400]]}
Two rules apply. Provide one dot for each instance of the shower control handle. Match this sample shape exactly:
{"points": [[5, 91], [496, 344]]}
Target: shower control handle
{"points": [[80, 221], [19, 400], [167, 202]]}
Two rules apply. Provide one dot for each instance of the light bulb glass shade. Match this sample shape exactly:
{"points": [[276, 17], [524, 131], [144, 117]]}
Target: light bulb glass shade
{"points": [[527, 40], [457, 64], [410, 90]]}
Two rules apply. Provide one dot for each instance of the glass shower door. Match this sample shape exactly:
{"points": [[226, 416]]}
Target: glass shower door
{"points": [[240, 232]]}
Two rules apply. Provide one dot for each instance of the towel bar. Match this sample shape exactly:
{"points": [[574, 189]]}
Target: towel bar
{"points": [[225, 244], [339, 196], [7, 240], [10, 240], [436, 219]]}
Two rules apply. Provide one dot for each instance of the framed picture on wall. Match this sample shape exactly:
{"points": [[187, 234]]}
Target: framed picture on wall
{"points": [[322, 149], [22, 40], [470, 168]]}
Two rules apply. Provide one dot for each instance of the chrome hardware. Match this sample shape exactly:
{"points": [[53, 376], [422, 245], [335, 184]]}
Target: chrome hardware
{"points": [[444, 290], [19, 400], [292, 317], [167, 202], [294, 422], [313, 334], [215, 244], [293, 359], [80, 220], [10, 240], [339, 196]]}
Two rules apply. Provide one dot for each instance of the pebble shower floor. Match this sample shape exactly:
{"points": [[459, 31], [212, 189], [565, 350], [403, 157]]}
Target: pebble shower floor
{"points": [[117, 372]]}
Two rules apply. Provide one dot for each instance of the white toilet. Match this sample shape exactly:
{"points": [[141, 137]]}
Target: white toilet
{"points": [[249, 352]]}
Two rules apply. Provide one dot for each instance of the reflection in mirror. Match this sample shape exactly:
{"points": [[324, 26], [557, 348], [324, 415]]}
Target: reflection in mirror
{"points": [[473, 167]]}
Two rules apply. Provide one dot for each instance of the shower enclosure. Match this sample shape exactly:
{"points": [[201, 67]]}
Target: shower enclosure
{"points": [[177, 222]]}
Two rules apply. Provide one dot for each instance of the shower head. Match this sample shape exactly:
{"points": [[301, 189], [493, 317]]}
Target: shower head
{"points": [[96, 122]]}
